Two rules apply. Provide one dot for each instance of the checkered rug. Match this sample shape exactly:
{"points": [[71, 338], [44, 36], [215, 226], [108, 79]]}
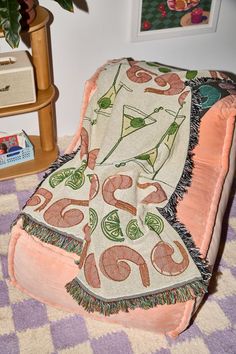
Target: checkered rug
{"points": [[28, 326]]}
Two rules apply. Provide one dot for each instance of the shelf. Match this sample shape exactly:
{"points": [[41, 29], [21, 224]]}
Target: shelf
{"points": [[44, 97], [45, 148], [42, 160]]}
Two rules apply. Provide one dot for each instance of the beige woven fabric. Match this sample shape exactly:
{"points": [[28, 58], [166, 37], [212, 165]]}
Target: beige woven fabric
{"points": [[116, 196]]}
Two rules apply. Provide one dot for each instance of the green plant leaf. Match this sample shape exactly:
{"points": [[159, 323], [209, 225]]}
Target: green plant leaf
{"points": [[66, 4], [10, 21]]}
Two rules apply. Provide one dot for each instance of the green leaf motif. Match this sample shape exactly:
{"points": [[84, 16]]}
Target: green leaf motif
{"points": [[163, 69], [10, 21], [191, 74], [152, 63], [59, 176]]}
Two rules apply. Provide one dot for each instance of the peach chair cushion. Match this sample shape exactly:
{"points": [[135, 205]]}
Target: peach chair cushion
{"points": [[33, 265]]}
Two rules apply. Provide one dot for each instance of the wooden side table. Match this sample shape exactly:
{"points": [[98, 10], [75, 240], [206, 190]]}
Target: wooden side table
{"points": [[45, 147]]}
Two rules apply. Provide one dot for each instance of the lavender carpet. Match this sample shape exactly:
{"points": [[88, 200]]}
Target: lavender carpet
{"points": [[28, 326]]}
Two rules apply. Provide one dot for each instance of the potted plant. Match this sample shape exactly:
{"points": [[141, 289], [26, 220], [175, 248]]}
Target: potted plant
{"points": [[15, 15]]}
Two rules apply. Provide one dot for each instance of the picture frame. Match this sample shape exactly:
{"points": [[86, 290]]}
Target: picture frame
{"points": [[166, 22]]}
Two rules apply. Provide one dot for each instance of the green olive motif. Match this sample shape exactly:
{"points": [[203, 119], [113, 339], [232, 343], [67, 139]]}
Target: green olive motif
{"points": [[104, 102], [137, 122], [172, 129]]}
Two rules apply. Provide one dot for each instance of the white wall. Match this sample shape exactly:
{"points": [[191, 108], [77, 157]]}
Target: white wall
{"points": [[83, 41]]}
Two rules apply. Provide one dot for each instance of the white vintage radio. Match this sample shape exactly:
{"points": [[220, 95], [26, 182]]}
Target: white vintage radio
{"points": [[17, 84]]}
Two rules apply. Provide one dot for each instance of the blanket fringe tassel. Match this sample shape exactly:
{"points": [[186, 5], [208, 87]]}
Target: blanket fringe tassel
{"points": [[50, 236], [169, 211], [171, 296]]}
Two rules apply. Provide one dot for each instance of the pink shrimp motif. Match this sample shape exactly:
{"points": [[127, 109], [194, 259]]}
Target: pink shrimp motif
{"points": [[176, 85], [91, 271], [163, 262], [138, 74], [56, 215], [114, 267], [154, 197], [111, 185], [94, 188], [92, 157], [35, 199], [182, 97], [87, 238], [84, 142]]}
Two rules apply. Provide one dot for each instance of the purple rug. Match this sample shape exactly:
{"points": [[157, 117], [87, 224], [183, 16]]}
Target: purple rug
{"points": [[28, 326]]}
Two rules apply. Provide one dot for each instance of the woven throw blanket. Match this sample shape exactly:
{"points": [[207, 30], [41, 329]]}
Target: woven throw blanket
{"points": [[113, 201]]}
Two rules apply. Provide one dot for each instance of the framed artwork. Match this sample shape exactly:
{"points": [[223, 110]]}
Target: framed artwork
{"points": [[155, 19]]}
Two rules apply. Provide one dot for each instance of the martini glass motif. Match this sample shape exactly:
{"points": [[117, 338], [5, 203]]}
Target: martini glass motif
{"points": [[132, 121], [167, 140], [149, 159], [105, 103]]}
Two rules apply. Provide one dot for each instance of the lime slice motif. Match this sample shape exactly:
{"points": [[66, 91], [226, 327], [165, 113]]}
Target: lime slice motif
{"points": [[59, 176], [111, 227], [133, 231], [154, 222], [93, 219], [77, 179]]}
